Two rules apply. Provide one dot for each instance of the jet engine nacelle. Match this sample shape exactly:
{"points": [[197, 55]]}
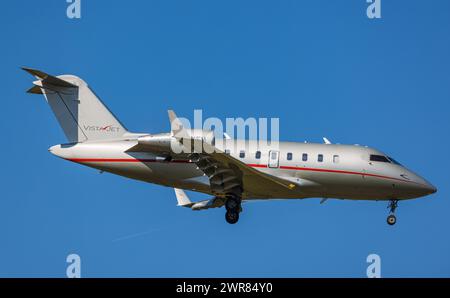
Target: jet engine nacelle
{"points": [[167, 144], [206, 136], [156, 143]]}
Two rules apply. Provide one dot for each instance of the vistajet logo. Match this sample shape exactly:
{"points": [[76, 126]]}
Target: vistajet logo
{"points": [[108, 128]]}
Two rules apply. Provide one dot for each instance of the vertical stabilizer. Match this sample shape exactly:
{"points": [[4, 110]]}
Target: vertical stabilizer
{"points": [[81, 114]]}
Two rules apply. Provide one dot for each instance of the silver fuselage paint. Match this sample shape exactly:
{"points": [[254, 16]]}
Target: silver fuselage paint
{"points": [[346, 171]]}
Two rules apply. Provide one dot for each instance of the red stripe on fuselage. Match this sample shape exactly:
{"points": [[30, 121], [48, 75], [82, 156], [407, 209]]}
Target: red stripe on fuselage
{"points": [[342, 172], [331, 171], [122, 160], [81, 160]]}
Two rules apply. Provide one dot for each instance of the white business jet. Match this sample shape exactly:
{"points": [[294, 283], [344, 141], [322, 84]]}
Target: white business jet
{"points": [[233, 174]]}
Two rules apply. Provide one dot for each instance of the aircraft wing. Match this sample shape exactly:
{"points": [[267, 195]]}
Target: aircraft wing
{"points": [[226, 173], [184, 201], [215, 202]]}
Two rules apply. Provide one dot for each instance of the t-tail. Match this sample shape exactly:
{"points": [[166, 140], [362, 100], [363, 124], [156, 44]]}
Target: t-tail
{"points": [[81, 114]]}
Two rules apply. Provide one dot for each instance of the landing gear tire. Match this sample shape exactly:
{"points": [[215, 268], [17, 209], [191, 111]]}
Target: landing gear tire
{"points": [[232, 217], [391, 220], [232, 204]]}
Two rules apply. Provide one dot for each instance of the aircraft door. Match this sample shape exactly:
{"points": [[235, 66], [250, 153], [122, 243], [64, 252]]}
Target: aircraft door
{"points": [[274, 159]]}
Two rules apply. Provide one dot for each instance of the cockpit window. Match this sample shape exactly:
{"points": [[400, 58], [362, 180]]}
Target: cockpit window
{"points": [[379, 158], [394, 161]]}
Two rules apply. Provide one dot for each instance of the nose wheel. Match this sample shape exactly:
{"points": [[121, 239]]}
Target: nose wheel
{"points": [[391, 219]]}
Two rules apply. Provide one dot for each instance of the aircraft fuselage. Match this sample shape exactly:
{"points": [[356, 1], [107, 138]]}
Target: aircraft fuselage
{"points": [[320, 170]]}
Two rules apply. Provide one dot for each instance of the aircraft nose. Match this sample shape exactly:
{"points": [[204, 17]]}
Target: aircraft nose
{"points": [[418, 186], [430, 188], [426, 188]]}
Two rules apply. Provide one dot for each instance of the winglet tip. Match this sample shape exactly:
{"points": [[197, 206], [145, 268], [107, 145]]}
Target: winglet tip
{"points": [[172, 114], [182, 199]]}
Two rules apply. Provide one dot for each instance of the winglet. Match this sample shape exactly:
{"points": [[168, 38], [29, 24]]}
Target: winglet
{"points": [[172, 116], [177, 129], [182, 198]]}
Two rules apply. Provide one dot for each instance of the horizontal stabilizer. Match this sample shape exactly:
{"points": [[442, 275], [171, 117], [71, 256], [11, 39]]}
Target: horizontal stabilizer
{"points": [[48, 79], [35, 90]]}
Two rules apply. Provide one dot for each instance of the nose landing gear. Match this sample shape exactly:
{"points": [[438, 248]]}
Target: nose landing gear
{"points": [[391, 219]]}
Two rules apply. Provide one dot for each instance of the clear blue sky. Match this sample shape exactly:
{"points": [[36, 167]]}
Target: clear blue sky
{"points": [[322, 67]]}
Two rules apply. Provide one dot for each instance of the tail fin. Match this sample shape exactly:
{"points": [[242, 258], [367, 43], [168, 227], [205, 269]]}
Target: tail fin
{"points": [[81, 114]]}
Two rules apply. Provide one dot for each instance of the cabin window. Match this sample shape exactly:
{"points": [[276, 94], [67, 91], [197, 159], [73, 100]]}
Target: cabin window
{"points": [[289, 156], [379, 158], [227, 151], [335, 158], [242, 154], [304, 156], [258, 154], [320, 157]]}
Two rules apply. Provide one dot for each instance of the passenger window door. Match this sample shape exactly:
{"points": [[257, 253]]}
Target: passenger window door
{"points": [[274, 159]]}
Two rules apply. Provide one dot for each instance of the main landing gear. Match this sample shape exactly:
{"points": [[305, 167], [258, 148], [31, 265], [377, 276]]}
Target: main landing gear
{"points": [[391, 219], [233, 206]]}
